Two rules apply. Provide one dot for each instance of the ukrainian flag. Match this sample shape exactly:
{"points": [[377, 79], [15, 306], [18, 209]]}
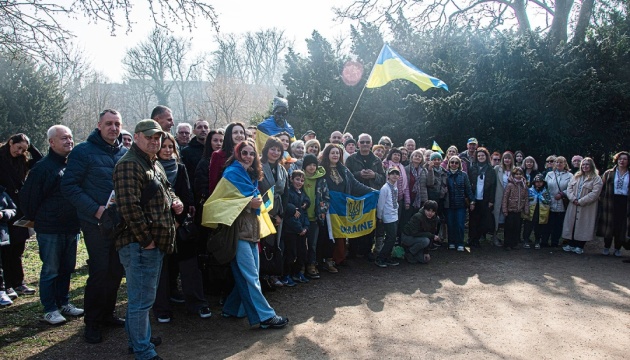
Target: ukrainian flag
{"points": [[390, 66], [436, 147], [350, 216], [233, 193], [269, 128]]}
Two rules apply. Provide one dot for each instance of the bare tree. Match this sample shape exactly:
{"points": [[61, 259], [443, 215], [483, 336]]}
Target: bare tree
{"points": [[36, 26], [184, 73]]}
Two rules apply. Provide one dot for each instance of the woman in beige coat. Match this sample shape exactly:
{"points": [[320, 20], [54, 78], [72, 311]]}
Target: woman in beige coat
{"points": [[503, 171], [583, 193]]}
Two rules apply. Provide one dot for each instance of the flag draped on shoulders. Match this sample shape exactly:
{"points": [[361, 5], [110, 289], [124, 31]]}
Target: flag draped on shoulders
{"points": [[390, 66], [269, 128], [233, 193], [351, 216]]}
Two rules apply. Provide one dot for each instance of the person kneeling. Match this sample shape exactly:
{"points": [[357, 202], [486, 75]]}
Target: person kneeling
{"points": [[419, 233]]}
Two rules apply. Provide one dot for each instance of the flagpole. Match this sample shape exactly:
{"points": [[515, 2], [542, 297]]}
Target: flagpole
{"points": [[357, 103], [355, 107]]}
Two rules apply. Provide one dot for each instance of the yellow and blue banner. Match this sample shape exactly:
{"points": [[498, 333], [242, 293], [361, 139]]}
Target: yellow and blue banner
{"points": [[233, 193], [437, 147], [390, 66], [351, 216], [269, 128]]}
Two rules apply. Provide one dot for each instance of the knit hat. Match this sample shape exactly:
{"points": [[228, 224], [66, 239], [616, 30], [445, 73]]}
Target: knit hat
{"points": [[349, 141], [539, 177], [307, 133], [308, 159], [278, 102], [436, 155]]}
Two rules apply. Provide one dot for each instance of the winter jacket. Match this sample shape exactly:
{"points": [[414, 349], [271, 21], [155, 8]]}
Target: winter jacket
{"points": [[489, 181], [498, 194], [459, 190], [295, 200], [553, 179], [42, 200], [192, 154], [538, 198], [351, 185], [87, 181], [419, 181], [316, 188], [606, 225], [8, 210], [579, 221], [357, 162], [281, 185], [515, 197], [11, 180], [420, 226]]}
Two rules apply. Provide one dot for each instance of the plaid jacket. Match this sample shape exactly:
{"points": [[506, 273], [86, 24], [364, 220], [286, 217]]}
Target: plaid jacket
{"points": [[154, 221]]}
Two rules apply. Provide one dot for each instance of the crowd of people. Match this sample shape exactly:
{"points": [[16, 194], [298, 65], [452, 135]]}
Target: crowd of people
{"points": [[175, 194]]}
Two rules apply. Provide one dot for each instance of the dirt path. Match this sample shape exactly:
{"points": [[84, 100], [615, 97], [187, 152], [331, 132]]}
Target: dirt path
{"points": [[490, 304]]}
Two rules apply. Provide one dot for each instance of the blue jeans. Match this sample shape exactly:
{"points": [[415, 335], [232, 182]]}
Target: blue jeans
{"points": [[247, 298], [142, 268], [58, 253], [456, 219]]}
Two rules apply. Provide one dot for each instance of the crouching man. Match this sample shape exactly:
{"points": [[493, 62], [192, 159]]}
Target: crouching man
{"points": [[419, 233], [144, 199]]}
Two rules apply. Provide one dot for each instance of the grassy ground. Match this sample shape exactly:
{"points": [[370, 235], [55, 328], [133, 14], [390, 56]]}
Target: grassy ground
{"points": [[22, 332]]}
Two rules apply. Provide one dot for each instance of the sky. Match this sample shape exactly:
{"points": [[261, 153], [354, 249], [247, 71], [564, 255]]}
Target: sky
{"points": [[297, 18]]}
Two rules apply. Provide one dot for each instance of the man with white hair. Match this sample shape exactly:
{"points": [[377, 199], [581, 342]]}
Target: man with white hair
{"points": [[183, 134], [410, 145], [56, 225]]}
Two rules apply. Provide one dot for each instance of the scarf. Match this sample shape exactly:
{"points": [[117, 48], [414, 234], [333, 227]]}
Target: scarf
{"points": [[416, 172], [170, 168]]}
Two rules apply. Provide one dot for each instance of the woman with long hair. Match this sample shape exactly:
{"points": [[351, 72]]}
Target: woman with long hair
{"points": [[519, 156], [557, 184], [234, 134], [275, 176], [340, 179], [503, 172], [17, 157], [214, 142], [452, 151], [186, 253], [531, 170], [583, 193], [483, 180], [246, 299], [614, 204]]}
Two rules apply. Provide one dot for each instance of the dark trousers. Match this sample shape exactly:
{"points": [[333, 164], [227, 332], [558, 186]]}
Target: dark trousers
{"points": [[479, 220], [294, 253], [620, 215], [192, 286], [553, 230], [533, 225], [390, 240], [12, 256], [104, 275], [577, 243], [512, 230], [362, 245]]}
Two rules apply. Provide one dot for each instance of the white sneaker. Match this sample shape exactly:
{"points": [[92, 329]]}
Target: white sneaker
{"points": [[460, 248], [618, 253], [606, 251], [71, 310], [54, 317], [451, 246], [578, 250], [5, 300], [568, 248]]}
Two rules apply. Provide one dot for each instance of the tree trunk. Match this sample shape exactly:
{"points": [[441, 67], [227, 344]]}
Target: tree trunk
{"points": [[558, 31], [521, 16], [584, 20]]}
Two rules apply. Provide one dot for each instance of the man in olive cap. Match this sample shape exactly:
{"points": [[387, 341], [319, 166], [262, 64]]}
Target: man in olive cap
{"points": [[144, 199]]}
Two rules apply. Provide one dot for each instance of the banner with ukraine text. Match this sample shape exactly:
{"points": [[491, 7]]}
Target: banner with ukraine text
{"points": [[350, 216]]}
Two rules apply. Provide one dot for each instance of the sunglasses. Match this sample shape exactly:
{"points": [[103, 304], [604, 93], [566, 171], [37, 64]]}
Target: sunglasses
{"points": [[496, 159], [250, 153], [364, 142], [550, 161], [453, 162]]}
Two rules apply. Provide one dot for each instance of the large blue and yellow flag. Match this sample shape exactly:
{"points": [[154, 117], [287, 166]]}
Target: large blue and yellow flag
{"points": [[350, 216], [233, 193], [269, 128], [390, 66]]}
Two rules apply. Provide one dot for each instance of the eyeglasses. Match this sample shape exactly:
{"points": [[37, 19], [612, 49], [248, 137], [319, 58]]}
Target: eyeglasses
{"points": [[550, 161], [496, 159], [250, 153], [364, 142], [453, 162]]}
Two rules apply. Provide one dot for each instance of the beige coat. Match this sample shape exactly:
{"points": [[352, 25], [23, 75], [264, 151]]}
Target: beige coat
{"points": [[498, 195], [579, 221]]}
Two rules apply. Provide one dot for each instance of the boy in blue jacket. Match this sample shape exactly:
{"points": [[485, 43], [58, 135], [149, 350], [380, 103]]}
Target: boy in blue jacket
{"points": [[294, 231]]}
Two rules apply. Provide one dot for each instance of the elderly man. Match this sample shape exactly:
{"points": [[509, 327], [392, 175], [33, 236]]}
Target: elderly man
{"points": [[127, 139], [191, 155], [336, 137], [410, 145], [183, 134], [309, 135], [150, 231], [87, 185], [469, 155], [56, 225], [368, 169], [164, 117]]}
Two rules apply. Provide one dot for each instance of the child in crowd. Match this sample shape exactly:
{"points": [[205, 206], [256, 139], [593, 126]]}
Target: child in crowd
{"points": [[538, 214], [420, 232], [513, 206], [7, 212], [316, 189], [387, 217], [294, 230]]}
